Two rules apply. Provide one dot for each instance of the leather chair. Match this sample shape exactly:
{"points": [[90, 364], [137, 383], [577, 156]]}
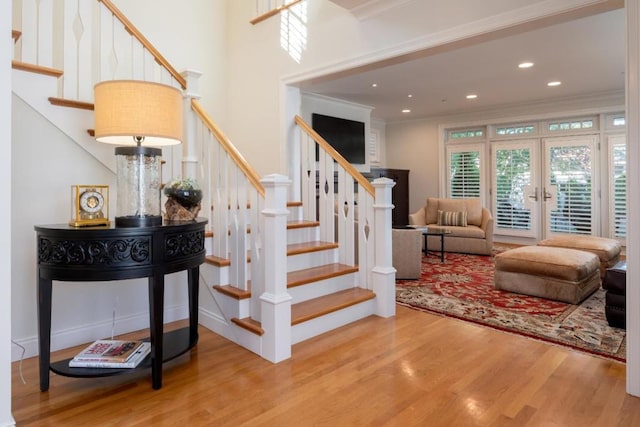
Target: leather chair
{"points": [[615, 283]]}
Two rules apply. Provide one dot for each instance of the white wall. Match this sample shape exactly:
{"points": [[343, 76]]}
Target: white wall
{"points": [[5, 217], [191, 35]]}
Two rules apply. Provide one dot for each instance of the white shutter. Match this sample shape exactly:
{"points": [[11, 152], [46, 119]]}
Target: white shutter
{"points": [[618, 186], [464, 165], [512, 176]]}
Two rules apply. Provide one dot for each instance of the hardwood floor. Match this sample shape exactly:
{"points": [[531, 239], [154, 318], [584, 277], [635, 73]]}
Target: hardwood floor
{"points": [[412, 370]]}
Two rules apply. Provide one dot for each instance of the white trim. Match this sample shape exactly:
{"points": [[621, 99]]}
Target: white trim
{"points": [[374, 7], [633, 231]]}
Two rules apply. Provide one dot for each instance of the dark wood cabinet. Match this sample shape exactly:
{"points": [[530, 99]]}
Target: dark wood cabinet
{"points": [[399, 194]]}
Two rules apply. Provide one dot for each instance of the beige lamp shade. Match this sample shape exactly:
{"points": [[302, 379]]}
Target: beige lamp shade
{"points": [[130, 110]]}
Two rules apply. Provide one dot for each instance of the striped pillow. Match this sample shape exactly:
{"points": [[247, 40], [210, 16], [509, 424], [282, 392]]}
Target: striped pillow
{"points": [[458, 219]]}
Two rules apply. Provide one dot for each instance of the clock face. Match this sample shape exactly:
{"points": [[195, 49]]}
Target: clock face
{"points": [[91, 201]]}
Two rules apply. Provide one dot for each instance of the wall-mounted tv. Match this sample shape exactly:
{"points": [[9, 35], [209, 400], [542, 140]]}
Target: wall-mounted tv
{"points": [[346, 136]]}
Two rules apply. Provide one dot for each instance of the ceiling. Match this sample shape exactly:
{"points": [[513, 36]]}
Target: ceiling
{"points": [[587, 55]]}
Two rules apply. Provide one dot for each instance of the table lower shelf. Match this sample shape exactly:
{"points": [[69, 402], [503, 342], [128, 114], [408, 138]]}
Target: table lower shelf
{"points": [[175, 343]]}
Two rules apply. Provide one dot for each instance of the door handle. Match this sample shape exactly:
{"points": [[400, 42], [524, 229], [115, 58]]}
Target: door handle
{"points": [[546, 194], [534, 196]]}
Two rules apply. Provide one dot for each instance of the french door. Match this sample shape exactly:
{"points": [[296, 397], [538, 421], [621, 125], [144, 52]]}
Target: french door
{"points": [[515, 187], [543, 187], [568, 192]]}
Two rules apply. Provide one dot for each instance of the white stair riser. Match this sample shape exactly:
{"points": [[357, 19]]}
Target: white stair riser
{"points": [[312, 259], [212, 275], [295, 213], [321, 288], [328, 322], [233, 307], [300, 235]]}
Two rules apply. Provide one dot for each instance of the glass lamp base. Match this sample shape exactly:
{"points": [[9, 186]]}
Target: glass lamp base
{"points": [[138, 221]]}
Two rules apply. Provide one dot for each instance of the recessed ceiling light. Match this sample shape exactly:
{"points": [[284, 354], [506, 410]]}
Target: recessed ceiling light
{"points": [[410, 96], [406, 110], [374, 84], [555, 83], [525, 65], [472, 96]]}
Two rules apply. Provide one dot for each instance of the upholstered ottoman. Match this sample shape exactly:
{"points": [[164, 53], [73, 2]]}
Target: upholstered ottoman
{"points": [[615, 283], [559, 274], [406, 252], [608, 250]]}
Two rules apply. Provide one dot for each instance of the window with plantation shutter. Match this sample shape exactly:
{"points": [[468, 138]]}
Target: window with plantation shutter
{"points": [[512, 178], [618, 186], [464, 165], [570, 167]]}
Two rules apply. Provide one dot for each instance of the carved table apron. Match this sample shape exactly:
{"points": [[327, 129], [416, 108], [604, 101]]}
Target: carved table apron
{"points": [[114, 253]]}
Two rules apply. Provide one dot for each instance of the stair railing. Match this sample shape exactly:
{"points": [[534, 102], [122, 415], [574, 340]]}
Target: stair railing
{"points": [[89, 42], [235, 196], [341, 197], [265, 9]]}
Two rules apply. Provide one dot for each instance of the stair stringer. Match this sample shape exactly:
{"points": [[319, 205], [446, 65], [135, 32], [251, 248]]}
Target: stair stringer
{"points": [[216, 310], [35, 89]]}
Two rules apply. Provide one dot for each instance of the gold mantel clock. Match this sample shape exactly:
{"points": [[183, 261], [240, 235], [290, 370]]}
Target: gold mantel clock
{"points": [[89, 205]]}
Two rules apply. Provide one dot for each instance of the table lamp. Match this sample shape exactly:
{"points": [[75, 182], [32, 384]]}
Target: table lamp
{"points": [[138, 116]]}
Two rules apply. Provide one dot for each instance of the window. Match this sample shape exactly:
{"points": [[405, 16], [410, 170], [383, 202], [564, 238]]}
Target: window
{"points": [[571, 125], [512, 178], [466, 134], [515, 130], [464, 165], [374, 150], [618, 186], [570, 173]]}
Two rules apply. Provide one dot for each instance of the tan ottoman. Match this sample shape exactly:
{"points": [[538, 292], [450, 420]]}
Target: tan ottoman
{"points": [[608, 250], [559, 274]]}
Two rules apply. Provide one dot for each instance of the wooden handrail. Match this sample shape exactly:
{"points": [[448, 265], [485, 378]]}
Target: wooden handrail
{"points": [[272, 12], [355, 174], [233, 152], [131, 29]]}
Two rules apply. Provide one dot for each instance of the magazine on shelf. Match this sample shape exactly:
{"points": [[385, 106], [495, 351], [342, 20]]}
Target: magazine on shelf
{"points": [[109, 351], [138, 356]]}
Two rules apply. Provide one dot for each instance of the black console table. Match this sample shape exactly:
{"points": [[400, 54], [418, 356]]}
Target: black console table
{"points": [[114, 253]]}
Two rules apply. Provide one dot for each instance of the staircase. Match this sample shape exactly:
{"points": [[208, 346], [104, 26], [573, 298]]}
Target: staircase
{"points": [[287, 260]]}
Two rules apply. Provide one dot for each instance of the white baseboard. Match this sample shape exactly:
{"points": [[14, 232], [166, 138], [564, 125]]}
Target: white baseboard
{"points": [[75, 336]]}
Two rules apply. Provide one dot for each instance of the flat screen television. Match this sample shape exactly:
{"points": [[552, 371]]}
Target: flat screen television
{"points": [[346, 136]]}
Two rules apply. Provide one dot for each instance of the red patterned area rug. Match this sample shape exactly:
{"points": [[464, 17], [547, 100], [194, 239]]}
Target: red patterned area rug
{"points": [[462, 287]]}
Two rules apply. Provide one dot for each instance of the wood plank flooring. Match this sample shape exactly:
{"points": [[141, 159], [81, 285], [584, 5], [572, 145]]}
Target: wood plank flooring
{"points": [[412, 370]]}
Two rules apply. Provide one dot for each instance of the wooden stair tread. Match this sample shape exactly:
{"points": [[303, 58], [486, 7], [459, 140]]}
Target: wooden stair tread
{"points": [[294, 204], [249, 324], [233, 292], [315, 274], [313, 308], [15, 35], [320, 306], [306, 247], [39, 69], [217, 261], [71, 103], [292, 225]]}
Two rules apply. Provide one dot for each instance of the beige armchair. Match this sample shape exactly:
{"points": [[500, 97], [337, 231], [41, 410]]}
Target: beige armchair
{"points": [[476, 237]]}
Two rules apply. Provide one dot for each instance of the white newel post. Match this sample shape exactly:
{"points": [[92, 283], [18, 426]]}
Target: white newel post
{"points": [[189, 142], [383, 275], [275, 301]]}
